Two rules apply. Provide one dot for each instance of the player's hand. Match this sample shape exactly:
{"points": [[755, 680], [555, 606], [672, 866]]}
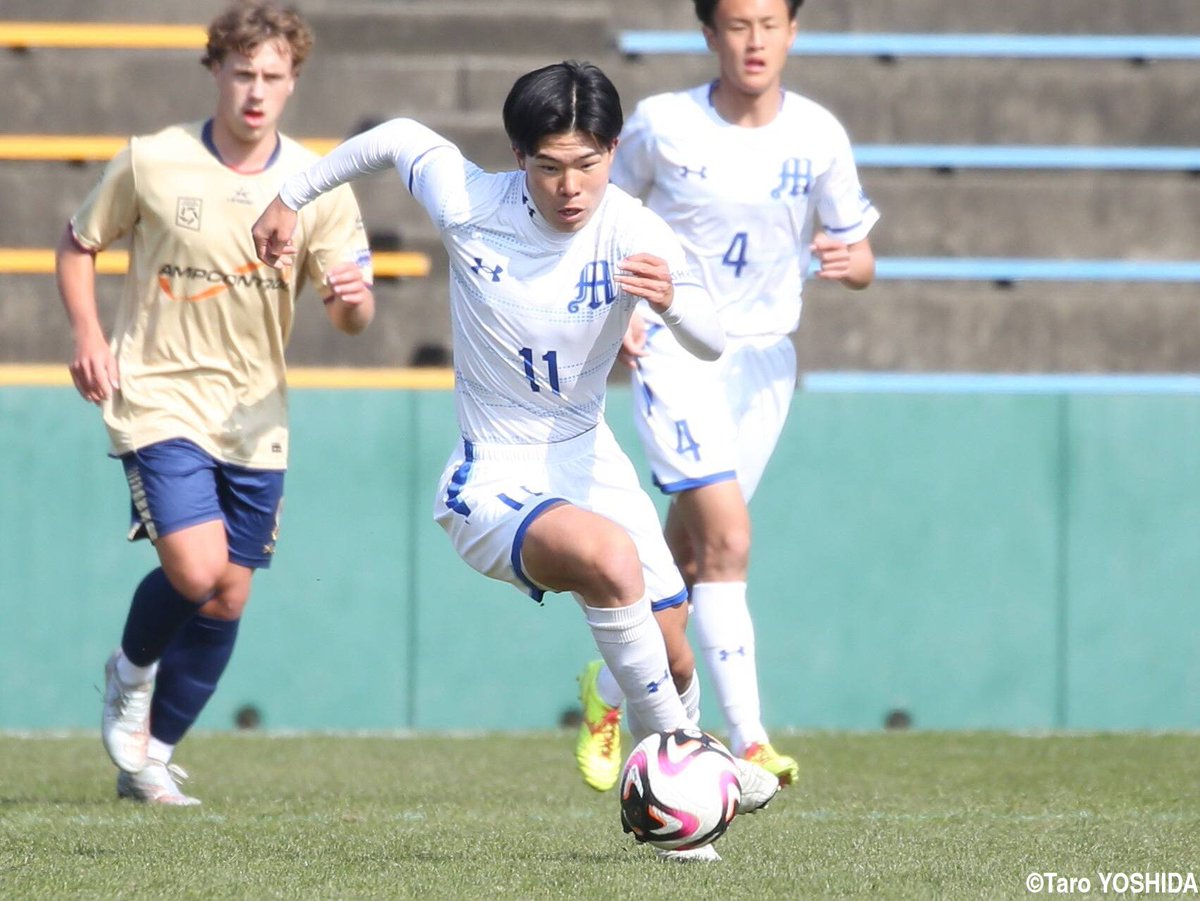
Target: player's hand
{"points": [[647, 276], [633, 345], [273, 235], [834, 256], [93, 370], [345, 280]]}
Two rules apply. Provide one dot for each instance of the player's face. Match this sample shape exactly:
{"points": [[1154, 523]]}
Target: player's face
{"points": [[567, 178], [253, 90], [751, 39]]}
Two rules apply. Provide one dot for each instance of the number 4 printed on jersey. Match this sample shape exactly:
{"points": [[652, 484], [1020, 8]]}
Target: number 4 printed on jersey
{"points": [[735, 256]]}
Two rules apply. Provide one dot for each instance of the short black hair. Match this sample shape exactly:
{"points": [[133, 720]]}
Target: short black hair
{"points": [[562, 98], [706, 9]]}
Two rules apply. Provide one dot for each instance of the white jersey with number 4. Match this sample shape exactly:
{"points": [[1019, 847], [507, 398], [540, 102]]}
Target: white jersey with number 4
{"points": [[743, 201]]}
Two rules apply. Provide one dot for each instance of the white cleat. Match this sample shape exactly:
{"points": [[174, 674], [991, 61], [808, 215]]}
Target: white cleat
{"points": [[155, 784], [703, 854], [125, 723], [759, 786]]}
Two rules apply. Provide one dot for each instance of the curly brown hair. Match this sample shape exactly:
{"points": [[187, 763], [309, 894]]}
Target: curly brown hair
{"points": [[248, 24]]}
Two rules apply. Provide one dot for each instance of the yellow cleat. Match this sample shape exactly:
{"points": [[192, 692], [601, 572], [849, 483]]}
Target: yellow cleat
{"points": [[784, 768], [598, 748]]}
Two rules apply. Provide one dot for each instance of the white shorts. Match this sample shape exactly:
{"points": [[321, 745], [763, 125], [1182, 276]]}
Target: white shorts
{"points": [[701, 423], [489, 495]]}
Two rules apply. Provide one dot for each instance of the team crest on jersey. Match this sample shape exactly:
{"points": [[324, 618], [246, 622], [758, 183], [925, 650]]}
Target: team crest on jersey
{"points": [[795, 177], [187, 212], [594, 288]]}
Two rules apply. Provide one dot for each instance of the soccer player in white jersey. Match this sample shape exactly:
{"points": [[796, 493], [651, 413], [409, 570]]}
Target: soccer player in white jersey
{"points": [[741, 169], [192, 384], [547, 263]]}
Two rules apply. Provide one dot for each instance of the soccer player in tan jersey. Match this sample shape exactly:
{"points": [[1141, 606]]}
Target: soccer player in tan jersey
{"points": [[192, 383]]}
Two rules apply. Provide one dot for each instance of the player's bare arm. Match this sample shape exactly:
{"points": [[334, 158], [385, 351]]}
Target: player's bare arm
{"points": [[93, 369], [273, 235], [851, 264], [349, 303]]}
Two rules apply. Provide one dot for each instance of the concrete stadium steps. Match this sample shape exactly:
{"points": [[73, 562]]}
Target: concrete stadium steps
{"points": [[167, 11], [1028, 16], [193, 12], [970, 101], [87, 91], [908, 101], [1092, 215], [1029, 327], [1069, 215], [458, 26], [895, 326], [1076, 214], [451, 63], [412, 312]]}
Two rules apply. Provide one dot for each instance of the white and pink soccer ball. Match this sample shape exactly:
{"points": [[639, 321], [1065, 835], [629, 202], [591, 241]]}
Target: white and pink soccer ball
{"points": [[679, 790]]}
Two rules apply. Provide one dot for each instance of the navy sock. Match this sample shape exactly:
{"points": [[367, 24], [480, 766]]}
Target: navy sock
{"points": [[188, 674], [155, 615]]}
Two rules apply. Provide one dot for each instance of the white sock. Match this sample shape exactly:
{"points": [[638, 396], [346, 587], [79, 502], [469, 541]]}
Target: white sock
{"points": [[131, 674], [635, 726], [631, 644], [608, 689], [691, 700], [159, 750], [725, 635], [691, 706]]}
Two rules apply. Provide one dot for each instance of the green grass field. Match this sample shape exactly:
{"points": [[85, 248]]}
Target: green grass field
{"points": [[897, 815]]}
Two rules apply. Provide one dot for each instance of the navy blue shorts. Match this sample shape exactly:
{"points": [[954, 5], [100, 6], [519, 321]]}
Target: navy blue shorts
{"points": [[174, 484]]}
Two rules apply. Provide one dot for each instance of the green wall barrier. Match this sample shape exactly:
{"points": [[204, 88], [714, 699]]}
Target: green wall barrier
{"points": [[975, 561]]}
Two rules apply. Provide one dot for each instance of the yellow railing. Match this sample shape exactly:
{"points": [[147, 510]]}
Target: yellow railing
{"points": [[88, 148], [378, 378], [40, 261], [117, 35]]}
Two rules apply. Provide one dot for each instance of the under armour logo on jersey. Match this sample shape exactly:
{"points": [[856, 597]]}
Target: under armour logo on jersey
{"points": [[725, 655], [594, 286], [796, 174], [652, 687], [479, 267], [702, 172]]}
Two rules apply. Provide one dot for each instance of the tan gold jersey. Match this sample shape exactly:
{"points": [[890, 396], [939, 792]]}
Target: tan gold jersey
{"points": [[200, 334]]}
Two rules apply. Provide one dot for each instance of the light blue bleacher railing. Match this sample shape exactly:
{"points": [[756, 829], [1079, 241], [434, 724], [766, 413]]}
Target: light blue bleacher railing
{"points": [[900, 44], [1024, 156], [850, 382], [1018, 269]]}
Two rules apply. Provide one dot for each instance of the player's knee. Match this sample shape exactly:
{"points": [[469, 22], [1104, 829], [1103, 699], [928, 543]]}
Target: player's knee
{"points": [[197, 580], [614, 566], [726, 547], [227, 602]]}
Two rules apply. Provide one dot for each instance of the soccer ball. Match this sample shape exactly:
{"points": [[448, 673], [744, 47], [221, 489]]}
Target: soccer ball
{"points": [[679, 790]]}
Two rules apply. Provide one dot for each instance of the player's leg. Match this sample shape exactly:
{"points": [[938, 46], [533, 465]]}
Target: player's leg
{"points": [[194, 661], [174, 501], [718, 529], [616, 494], [598, 745], [567, 548]]}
